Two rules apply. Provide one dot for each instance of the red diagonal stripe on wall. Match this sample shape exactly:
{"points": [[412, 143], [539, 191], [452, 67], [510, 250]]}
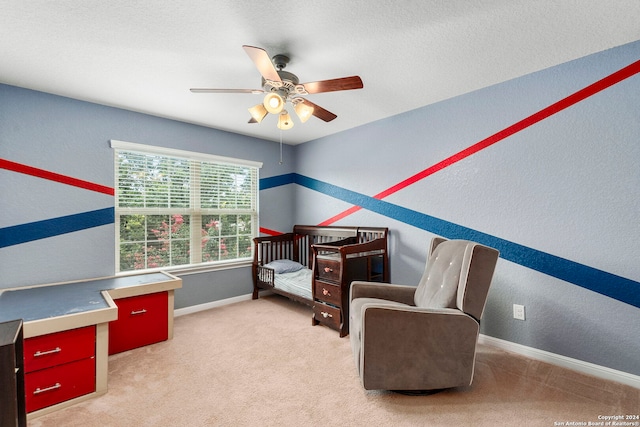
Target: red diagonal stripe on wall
{"points": [[269, 232], [52, 176], [567, 102]]}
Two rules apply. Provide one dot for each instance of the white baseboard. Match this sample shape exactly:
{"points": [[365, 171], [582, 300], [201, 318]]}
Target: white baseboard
{"points": [[202, 307], [563, 361]]}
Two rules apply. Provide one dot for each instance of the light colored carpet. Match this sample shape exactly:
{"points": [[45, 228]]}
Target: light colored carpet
{"points": [[261, 363]]}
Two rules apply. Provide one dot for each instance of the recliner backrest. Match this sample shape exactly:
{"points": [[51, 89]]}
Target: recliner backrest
{"points": [[474, 289], [457, 275], [438, 287]]}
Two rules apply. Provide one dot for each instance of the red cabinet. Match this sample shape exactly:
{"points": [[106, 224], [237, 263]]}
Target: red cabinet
{"points": [[59, 367], [142, 320], [72, 328]]}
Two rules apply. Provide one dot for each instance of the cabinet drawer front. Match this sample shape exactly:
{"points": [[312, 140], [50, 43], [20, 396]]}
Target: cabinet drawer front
{"points": [[50, 386], [142, 320], [328, 293], [60, 347], [328, 270], [327, 314]]}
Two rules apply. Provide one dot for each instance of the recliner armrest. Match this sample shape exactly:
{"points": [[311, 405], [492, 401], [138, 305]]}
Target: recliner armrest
{"points": [[398, 293]]}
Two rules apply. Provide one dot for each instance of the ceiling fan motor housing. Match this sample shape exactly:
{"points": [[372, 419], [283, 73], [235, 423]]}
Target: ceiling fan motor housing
{"points": [[284, 88], [280, 61]]}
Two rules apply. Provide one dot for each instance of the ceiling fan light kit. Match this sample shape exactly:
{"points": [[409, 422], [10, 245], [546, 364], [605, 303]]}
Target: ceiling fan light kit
{"points": [[258, 112], [274, 103], [284, 121], [282, 87], [303, 111]]}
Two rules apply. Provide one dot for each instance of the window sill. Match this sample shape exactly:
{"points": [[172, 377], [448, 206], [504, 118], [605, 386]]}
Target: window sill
{"points": [[193, 269]]}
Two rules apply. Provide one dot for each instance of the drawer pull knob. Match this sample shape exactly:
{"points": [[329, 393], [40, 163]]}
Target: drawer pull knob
{"points": [[325, 314], [328, 270], [43, 390], [44, 353], [326, 292], [143, 311]]}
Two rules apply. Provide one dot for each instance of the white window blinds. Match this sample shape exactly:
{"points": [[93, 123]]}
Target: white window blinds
{"points": [[176, 208]]}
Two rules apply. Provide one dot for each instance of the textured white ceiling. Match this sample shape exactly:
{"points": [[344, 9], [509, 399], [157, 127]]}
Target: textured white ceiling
{"points": [[144, 55]]}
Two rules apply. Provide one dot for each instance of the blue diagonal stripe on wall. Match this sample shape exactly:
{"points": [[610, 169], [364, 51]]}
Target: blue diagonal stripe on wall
{"points": [[23, 233], [611, 285]]}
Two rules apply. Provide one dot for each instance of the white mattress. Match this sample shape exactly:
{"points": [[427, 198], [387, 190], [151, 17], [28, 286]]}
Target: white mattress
{"points": [[298, 282]]}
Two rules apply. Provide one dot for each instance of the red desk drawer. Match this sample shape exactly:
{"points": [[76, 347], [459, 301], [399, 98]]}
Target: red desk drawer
{"points": [[142, 320], [58, 348], [50, 386]]}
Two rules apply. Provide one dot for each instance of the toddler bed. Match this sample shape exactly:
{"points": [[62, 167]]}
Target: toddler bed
{"points": [[284, 263]]}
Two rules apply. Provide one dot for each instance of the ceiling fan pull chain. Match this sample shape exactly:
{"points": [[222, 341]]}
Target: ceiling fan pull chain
{"points": [[280, 146]]}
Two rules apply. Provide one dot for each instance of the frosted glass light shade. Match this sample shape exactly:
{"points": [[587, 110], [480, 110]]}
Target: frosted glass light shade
{"points": [[284, 121], [258, 112], [303, 111], [273, 103]]}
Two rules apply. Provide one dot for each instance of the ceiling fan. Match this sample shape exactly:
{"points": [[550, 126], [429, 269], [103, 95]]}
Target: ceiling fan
{"points": [[282, 86]]}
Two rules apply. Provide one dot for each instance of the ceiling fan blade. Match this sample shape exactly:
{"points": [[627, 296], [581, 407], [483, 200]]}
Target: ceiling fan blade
{"points": [[320, 112], [252, 120], [261, 58], [206, 90], [344, 83]]}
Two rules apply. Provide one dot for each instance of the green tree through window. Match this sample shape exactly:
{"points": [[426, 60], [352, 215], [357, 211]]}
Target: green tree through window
{"points": [[177, 211]]}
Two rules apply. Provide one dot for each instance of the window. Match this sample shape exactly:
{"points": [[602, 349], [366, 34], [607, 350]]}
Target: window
{"points": [[178, 208]]}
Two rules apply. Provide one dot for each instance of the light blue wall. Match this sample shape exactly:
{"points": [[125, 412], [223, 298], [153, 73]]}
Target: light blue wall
{"points": [[565, 187], [71, 138]]}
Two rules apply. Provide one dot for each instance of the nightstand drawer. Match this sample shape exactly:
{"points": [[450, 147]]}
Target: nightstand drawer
{"points": [[328, 269], [327, 314], [51, 386], [142, 320], [49, 350], [327, 292]]}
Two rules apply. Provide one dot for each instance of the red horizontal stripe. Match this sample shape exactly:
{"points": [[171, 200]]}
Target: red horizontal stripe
{"points": [[52, 176], [564, 103]]}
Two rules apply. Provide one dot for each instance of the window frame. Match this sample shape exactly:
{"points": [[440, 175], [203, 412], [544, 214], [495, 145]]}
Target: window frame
{"points": [[195, 236]]}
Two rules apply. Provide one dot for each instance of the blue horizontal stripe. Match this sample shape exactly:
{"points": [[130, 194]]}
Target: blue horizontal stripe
{"points": [[611, 285], [276, 181], [24, 233]]}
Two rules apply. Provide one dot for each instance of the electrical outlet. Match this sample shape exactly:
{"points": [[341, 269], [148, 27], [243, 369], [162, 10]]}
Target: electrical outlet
{"points": [[518, 311]]}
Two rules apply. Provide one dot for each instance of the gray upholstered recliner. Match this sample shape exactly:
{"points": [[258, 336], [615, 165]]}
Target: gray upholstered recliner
{"points": [[423, 338]]}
